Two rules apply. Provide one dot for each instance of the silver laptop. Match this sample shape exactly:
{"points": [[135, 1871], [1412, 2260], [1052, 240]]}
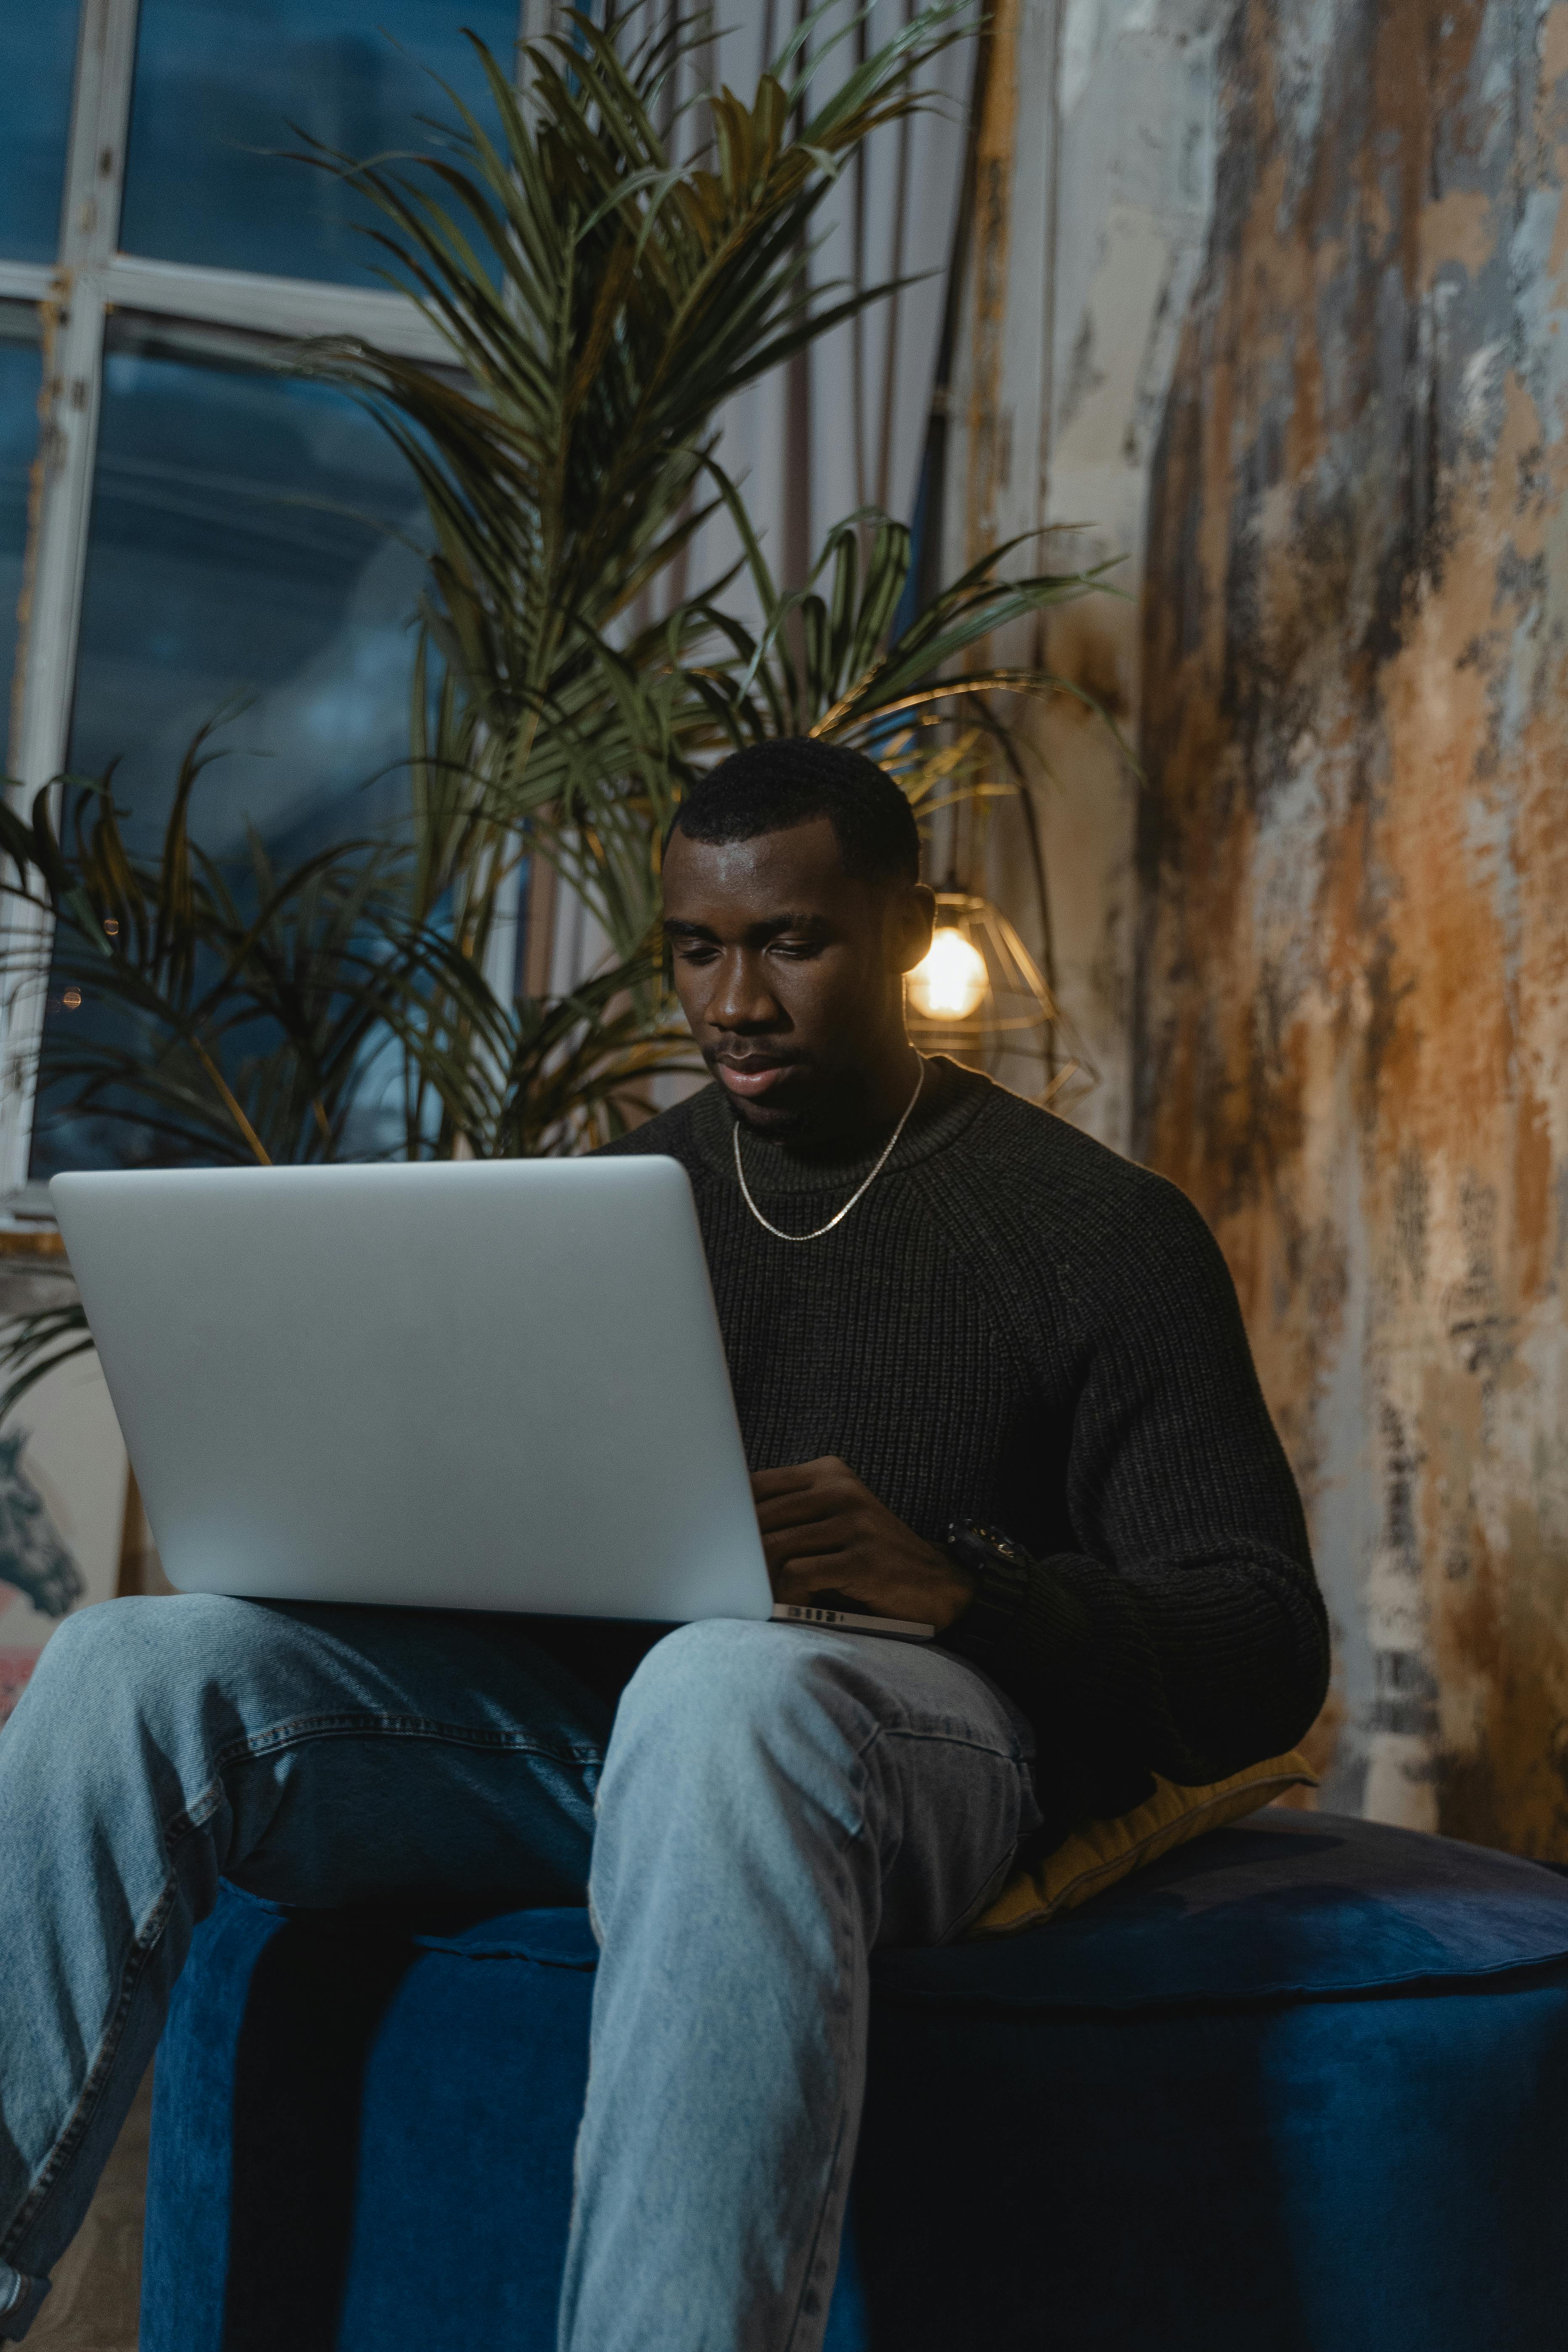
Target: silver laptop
{"points": [[494, 1385]]}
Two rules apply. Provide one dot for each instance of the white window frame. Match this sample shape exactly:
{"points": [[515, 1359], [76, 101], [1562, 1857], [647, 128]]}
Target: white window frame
{"points": [[91, 279]]}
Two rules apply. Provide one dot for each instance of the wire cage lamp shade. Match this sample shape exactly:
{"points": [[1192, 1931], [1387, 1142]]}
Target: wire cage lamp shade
{"points": [[981, 997]]}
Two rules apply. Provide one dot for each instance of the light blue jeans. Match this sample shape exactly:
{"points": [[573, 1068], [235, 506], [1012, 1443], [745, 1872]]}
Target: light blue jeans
{"points": [[772, 1803]]}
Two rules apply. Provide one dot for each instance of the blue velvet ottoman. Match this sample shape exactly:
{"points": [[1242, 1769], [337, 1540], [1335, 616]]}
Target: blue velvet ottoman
{"points": [[1301, 2087]]}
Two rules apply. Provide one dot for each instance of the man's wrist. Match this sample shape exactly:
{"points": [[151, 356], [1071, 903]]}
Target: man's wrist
{"points": [[997, 1573]]}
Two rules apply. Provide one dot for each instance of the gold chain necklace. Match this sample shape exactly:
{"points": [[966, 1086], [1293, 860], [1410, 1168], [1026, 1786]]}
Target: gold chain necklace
{"points": [[777, 1232]]}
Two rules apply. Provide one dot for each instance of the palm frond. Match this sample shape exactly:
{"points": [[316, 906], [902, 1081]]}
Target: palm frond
{"points": [[826, 662], [34, 1345], [603, 299]]}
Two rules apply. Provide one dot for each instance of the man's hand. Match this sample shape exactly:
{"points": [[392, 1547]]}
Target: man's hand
{"points": [[823, 1532]]}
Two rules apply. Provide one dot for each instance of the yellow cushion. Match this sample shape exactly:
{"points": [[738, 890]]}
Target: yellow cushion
{"points": [[1098, 1854]]}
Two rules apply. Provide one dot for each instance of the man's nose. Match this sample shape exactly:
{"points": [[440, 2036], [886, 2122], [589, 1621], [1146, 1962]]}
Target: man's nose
{"points": [[742, 998]]}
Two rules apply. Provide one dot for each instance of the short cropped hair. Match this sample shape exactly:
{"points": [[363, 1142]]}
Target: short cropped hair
{"points": [[767, 787]]}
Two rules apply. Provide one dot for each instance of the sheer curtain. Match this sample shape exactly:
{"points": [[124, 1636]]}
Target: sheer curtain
{"points": [[844, 424]]}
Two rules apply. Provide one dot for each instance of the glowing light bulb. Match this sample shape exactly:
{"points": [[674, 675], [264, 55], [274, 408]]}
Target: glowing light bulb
{"points": [[950, 982]]}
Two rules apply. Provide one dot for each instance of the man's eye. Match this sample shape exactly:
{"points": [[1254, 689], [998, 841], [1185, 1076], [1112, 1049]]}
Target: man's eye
{"points": [[797, 951]]}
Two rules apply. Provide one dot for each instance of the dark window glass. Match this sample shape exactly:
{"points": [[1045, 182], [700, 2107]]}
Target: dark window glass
{"points": [[222, 86], [249, 538], [37, 57], [19, 376]]}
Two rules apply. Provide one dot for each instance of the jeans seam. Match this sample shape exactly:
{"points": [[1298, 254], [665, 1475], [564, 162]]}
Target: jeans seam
{"points": [[998, 1879], [845, 1913], [1022, 1769], [363, 1722], [304, 1728], [80, 2117], [811, 2259], [1012, 1755]]}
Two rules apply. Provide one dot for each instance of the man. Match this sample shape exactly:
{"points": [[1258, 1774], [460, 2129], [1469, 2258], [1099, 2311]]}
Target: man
{"points": [[990, 1377]]}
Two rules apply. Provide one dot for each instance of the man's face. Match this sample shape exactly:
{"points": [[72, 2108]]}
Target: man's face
{"points": [[791, 974]]}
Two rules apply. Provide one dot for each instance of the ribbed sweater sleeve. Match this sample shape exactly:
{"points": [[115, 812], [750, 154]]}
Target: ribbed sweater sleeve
{"points": [[1188, 1636]]}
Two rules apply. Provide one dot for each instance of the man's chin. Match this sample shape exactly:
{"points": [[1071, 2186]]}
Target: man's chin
{"points": [[781, 1107], [777, 1120]]}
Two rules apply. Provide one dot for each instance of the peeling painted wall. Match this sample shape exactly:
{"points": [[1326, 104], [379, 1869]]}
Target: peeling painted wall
{"points": [[1094, 176], [1352, 1041], [1136, 104]]}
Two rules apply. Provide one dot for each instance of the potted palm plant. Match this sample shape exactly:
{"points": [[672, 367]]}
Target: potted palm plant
{"points": [[601, 299]]}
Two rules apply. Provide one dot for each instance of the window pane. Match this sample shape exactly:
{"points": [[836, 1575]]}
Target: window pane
{"points": [[244, 544], [241, 545], [219, 83], [38, 56], [19, 374]]}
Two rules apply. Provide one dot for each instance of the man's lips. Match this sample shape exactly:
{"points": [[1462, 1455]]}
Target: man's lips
{"points": [[752, 1076]]}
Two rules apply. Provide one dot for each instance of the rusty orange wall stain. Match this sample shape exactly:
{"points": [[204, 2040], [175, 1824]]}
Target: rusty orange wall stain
{"points": [[1353, 1024], [1555, 46], [1458, 229]]}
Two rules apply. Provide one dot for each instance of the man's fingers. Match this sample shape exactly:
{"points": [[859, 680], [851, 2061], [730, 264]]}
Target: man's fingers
{"points": [[802, 1497], [792, 1476], [802, 1508], [767, 1482], [798, 1579], [813, 1542]]}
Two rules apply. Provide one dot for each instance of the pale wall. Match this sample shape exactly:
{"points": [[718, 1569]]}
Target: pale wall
{"points": [[1094, 191], [1354, 998]]}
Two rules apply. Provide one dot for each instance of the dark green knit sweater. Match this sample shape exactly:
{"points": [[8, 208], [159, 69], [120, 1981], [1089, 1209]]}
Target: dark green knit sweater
{"points": [[1018, 1326]]}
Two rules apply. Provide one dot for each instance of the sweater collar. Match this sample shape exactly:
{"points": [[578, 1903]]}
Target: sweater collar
{"points": [[949, 1101]]}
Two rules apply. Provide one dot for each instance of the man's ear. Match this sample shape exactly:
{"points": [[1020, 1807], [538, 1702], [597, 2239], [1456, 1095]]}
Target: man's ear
{"points": [[914, 918]]}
